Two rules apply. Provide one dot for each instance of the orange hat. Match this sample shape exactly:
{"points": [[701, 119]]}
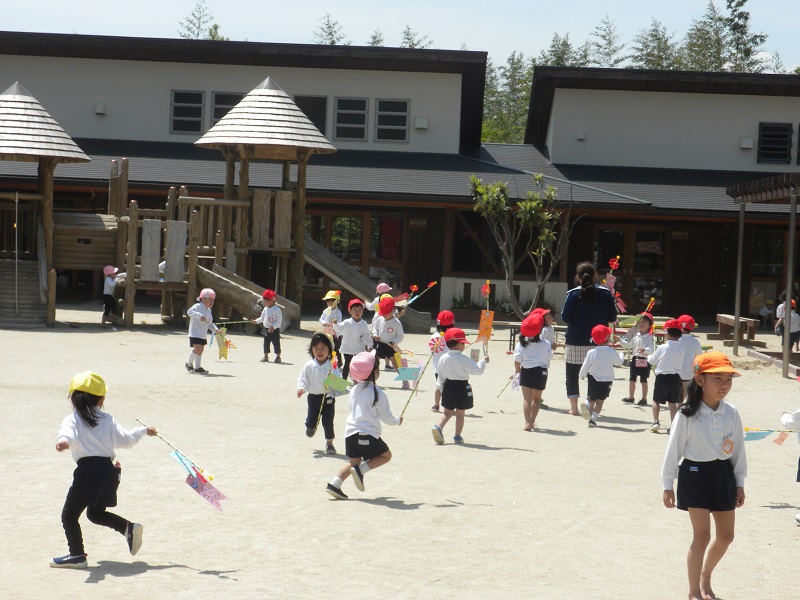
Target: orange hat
{"points": [[455, 334], [269, 295], [687, 322], [446, 318], [673, 324], [600, 334], [714, 362], [532, 325], [386, 306]]}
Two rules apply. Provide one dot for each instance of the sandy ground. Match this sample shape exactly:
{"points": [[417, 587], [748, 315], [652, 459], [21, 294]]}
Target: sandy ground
{"points": [[562, 512]]}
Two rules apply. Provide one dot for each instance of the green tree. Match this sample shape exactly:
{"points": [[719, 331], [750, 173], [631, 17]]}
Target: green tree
{"points": [[214, 34], [412, 39], [376, 39], [707, 43], [797, 71], [561, 53], [199, 24], [329, 32], [745, 45], [654, 48], [537, 220], [605, 49]]}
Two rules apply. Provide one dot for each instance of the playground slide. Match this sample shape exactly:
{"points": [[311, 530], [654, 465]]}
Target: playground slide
{"points": [[357, 283], [243, 295]]}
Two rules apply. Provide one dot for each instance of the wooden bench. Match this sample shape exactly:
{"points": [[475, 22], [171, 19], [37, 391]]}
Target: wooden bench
{"points": [[725, 325], [513, 332]]}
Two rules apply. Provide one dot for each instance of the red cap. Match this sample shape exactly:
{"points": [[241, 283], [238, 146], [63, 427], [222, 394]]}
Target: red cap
{"points": [[455, 334], [532, 325], [540, 311], [386, 306], [354, 302], [687, 322], [673, 324], [269, 295], [647, 315], [446, 318], [600, 334]]}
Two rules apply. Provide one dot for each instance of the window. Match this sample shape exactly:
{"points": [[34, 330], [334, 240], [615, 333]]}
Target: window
{"points": [[315, 108], [187, 112], [775, 143], [222, 103], [391, 121], [351, 119]]}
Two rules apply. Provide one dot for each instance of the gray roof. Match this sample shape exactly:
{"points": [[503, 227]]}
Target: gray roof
{"points": [[28, 132], [270, 124]]}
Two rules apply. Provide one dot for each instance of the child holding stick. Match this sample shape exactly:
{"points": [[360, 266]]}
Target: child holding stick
{"points": [[312, 380], [92, 435], [639, 340], [668, 361], [707, 433], [200, 322], [270, 319], [444, 321], [369, 405], [355, 334], [387, 331], [598, 367], [332, 315], [532, 361]]}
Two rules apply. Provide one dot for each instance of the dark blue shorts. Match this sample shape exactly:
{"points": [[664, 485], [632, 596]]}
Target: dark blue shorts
{"points": [[708, 485], [363, 446], [534, 378]]}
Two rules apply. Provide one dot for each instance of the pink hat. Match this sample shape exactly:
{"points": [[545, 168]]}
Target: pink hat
{"points": [[362, 365], [206, 293], [532, 325], [382, 288], [109, 270]]}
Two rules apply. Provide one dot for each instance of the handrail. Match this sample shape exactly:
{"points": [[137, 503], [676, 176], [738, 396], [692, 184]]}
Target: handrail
{"points": [[192, 200], [42, 256]]}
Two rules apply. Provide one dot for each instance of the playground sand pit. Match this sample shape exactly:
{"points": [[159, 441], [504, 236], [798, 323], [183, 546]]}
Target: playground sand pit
{"points": [[562, 512]]}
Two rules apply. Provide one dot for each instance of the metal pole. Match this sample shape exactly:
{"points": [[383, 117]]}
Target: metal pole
{"points": [[737, 310], [787, 305], [16, 252]]}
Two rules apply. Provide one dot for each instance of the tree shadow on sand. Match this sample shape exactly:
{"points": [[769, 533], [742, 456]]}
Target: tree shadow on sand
{"points": [[114, 568]]}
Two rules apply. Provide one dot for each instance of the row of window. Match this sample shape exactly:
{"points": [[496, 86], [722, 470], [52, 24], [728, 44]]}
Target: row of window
{"points": [[775, 143], [350, 115]]}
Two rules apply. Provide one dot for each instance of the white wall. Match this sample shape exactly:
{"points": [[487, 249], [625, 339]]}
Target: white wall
{"points": [[555, 291], [669, 130], [137, 96]]}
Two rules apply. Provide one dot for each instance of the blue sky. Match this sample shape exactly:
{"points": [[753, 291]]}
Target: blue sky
{"points": [[498, 27]]}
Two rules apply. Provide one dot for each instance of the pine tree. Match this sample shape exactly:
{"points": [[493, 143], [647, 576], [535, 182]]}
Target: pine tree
{"points": [[606, 51], [654, 48], [561, 53], [745, 46], [412, 39], [376, 39], [707, 43], [329, 32]]}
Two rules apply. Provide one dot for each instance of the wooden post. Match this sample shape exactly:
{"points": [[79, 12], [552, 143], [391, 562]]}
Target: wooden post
{"points": [[172, 195], [123, 183], [122, 241], [295, 286], [242, 222], [130, 263], [113, 190], [191, 288], [183, 209], [45, 175], [230, 172]]}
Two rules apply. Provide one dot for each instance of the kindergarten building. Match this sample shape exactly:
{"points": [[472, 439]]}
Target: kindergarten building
{"points": [[642, 157]]}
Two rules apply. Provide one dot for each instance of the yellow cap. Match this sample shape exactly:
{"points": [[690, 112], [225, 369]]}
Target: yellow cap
{"points": [[88, 382], [332, 295]]}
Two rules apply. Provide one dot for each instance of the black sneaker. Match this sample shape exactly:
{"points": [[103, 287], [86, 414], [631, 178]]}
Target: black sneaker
{"points": [[330, 449], [189, 367], [201, 371], [278, 359], [69, 562], [336, 492], [358, 477], [310, 432], [628, 400], [133, 535], [642, 402], [592, 423]]}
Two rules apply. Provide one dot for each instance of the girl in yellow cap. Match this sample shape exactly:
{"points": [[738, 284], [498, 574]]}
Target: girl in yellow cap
{"points": [[332, 315], [708, 435], [92, 436]]}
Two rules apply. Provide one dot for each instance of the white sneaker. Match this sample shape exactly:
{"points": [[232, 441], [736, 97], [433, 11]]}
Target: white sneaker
{"points": [[797, 518], [585, 412], [655, 427]]}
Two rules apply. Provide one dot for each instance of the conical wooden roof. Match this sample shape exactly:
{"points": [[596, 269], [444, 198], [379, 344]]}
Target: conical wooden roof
{"points": [[28, 132], [269, 124]]}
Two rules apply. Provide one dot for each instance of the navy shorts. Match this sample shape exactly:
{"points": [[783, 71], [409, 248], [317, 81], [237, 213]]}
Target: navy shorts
{"points": [[533, 377], [708, 485], [598, 390], [193, 341], [640, 372], [668, 389], [363, 446], [457, 394], [384, 350]]}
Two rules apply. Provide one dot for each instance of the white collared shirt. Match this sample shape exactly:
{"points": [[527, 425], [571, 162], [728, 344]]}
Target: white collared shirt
{"points": [[197, 327], [356, 335], [706, 436], [600, 363], [365, 414], [635, 340], [312, 376], [458, 367], [271, 316], [101, 440], [535, 354], [668, 358], [389, 331], [691, 349]]}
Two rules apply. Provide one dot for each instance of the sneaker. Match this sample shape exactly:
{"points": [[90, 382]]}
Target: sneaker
{"points": [[457, 439], [329, 449], [628, 400], [543, 406], [69, 562], [358, 477], [310, 432], [585, 410], [277, 359], [655, 427], [265, 359], [201, 371], [592, 423], [796, 519], [435, 408], [667, 430], [134, 537], [406, 386], [642, 402], [335, 492], [388, 368], [189, 367], [437, 435]]}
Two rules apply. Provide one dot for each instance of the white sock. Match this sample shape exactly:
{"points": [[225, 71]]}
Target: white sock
{"points": [[190, 362], [595, 416], [197, 359], [336, 482], [364, 466]]}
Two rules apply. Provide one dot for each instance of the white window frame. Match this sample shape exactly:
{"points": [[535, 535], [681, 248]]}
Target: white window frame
{"points": [[215, 105], [337, 112], [199, 120], [379, 127]]}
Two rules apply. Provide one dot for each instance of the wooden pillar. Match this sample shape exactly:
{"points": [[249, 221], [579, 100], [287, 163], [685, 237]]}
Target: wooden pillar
{"points": [[172, 199], [183, 209], [230, 173], [113, 190], [191, 288], [123, 183], [130, 263], [45, 175], [295, 284], [242, 222], [122, 241]]}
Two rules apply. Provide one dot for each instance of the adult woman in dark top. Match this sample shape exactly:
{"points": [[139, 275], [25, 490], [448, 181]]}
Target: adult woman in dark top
{"points": [[587, 305]]}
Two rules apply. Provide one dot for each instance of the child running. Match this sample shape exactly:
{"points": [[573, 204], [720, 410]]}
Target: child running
{"points": [[332, 315], [201, 322], [355, 334], [270, 319], [321, 405], [598, 367], [532, 361], [92, 436], [109, 283], [793, 420], [454, 372], [444, 321], [707, 433], [691, 350], [369, 405], [668, 361], [639, 340]]}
